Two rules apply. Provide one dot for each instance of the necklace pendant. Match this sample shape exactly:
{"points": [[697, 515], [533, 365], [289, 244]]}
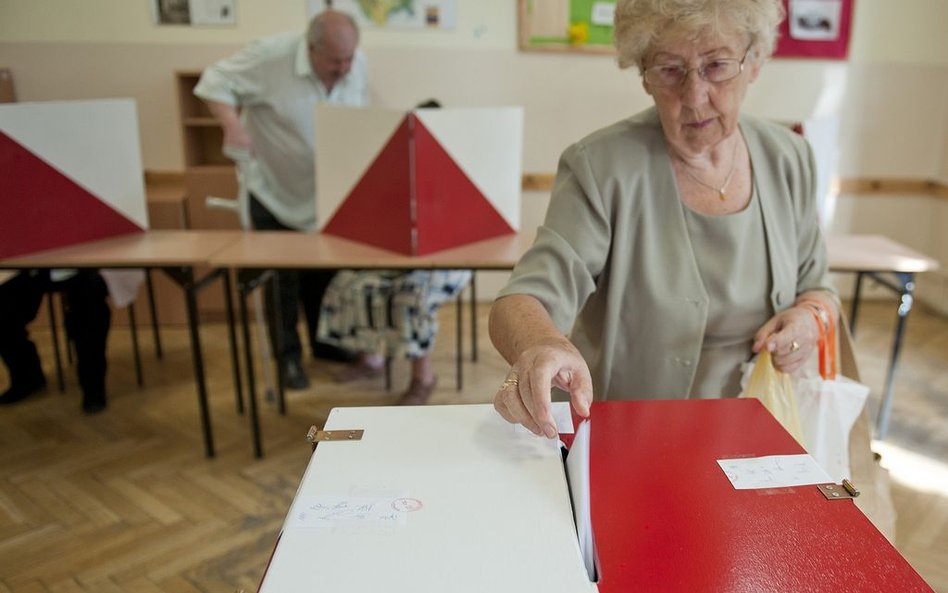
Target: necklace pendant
{"points": [[722, 195]]}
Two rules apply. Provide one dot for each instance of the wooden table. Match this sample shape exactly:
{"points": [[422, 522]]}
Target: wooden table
{"points": [[892, 265], [252, 254], [176, 253]]}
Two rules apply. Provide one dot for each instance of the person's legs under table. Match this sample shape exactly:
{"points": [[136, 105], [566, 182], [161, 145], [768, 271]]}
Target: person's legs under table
{"points": [[88, 318], [20, 298], [289, 349], [312, 287]]}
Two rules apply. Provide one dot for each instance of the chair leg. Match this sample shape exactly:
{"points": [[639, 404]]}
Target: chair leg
{"points": [[460, 341], [473, 315], [54, 333], [62, 310]]}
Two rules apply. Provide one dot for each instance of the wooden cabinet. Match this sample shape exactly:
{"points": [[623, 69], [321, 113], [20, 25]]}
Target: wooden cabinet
{"points": [[201, 134], [208, 173], [7, 92], [167, 210]]}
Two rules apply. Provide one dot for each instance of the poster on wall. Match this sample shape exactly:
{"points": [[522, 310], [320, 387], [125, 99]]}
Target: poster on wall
{"points": [[566, 25], [815, 29], [194, 12], [395, 14]]}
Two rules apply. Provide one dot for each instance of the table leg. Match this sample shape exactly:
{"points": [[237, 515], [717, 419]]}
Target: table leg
{"points": [[154, 313], [198, 361], [232, 338], [906, 287], [133, 327], [245, 291], [857, 290], [185, 279]]}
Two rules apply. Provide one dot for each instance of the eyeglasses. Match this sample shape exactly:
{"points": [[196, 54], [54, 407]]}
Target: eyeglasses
{"points": [[718, 70]]}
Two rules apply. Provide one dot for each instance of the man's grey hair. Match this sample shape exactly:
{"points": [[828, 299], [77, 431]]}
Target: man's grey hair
{"points": [[321, 22]]}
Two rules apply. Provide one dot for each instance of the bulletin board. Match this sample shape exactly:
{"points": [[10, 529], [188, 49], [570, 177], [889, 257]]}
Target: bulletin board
{"points": [[815, 29], [583, 26]]}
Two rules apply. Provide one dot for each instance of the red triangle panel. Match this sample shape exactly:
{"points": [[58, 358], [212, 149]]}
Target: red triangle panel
{"points": [[40, 208], [451, 210], [378, 210]]}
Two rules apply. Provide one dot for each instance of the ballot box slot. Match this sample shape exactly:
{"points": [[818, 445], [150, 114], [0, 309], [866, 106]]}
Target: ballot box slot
{"points": [[576, 468]]}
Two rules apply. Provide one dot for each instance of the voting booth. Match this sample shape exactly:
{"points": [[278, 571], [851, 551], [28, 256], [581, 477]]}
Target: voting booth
{"points": [[71, 172], [673, 496], [420, 181]]}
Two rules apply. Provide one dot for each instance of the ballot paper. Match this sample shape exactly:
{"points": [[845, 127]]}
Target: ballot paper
{"points": [[562, 416], [773, 471], [577, 470]]}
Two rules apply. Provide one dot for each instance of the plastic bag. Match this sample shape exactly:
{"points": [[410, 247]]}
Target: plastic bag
{"points": [[828, 408], [819, 410], [775, 390], [829, 403]]}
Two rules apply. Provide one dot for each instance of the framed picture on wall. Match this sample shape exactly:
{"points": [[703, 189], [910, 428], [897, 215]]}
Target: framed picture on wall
{"points": [[393, 14], [194, 12], [815, 29], [583, 26]]}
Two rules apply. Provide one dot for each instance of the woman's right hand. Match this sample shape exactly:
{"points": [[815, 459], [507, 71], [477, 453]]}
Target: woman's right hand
{"points": [[524, 398]]}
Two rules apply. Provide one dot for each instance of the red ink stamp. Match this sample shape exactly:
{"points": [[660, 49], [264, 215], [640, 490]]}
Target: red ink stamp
{"points": [[407, 505]]}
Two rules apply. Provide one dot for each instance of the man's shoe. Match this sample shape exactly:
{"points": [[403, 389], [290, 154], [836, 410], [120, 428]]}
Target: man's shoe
{"points": [[293, 376], [21, 391], [93, 405]]}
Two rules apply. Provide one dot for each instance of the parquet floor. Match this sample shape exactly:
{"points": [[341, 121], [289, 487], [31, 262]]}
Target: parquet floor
{"points": [[126, 500]]}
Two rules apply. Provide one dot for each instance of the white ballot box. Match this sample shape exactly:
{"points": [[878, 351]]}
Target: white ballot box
{"points": [[430, 499]]}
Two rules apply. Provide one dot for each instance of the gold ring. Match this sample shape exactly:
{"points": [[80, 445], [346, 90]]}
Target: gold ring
{"points": [[511, 382], [794, 346]]}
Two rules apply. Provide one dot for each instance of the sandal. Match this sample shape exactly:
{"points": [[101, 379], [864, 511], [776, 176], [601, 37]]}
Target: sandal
{"points": [[358, 371], [418, 393]]}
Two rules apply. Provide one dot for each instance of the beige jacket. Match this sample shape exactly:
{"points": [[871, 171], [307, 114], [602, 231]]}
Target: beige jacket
{"points": [[613, 260]]}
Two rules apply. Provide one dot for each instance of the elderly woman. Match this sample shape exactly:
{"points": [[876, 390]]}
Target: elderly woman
{"points": [[679, 241]]}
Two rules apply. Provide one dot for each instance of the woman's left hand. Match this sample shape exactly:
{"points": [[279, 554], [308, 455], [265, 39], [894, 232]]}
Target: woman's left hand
{"points": [[790, 336]]}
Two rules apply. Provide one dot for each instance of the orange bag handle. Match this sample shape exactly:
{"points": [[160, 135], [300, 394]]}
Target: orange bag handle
{"points": [[827, 339]]}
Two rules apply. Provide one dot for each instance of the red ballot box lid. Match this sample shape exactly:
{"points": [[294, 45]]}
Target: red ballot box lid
{"points": [[666, 518]]}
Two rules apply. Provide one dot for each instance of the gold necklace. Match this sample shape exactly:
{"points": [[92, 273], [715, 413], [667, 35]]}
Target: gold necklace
{"points": [[727, 180]]}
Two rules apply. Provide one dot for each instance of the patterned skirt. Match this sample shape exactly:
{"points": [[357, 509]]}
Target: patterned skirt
{"points": [[387, 312]]}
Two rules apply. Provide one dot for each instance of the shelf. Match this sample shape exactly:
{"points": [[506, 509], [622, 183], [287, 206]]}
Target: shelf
{"points": [[218, 168], [208, 122]]}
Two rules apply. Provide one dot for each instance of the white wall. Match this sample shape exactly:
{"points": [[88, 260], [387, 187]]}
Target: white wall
{"points": [[907, 31], [480, 24], [890, 97]]}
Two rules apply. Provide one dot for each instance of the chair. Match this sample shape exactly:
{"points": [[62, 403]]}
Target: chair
{"points": [[133, 332]]}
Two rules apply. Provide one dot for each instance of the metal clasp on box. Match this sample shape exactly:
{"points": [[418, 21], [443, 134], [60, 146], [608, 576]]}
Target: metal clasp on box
{"points": [[317, 436], [839, 491]]}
